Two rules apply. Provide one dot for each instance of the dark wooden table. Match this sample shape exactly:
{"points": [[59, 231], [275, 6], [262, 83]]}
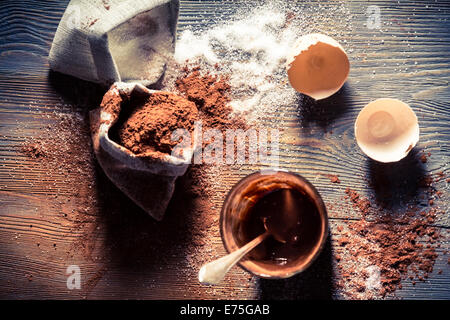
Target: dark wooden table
{"points": [[45, 225]]}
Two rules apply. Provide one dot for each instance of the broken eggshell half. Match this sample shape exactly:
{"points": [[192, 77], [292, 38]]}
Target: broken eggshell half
{"points": [[317, 66], [386, 130]]}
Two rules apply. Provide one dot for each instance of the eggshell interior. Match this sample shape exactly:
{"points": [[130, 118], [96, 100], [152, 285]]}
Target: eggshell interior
{"points": [[317, 66], [386, 130]]}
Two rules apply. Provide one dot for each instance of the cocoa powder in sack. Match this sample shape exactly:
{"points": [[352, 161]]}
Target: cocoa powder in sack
{"points": [[131, 133]]}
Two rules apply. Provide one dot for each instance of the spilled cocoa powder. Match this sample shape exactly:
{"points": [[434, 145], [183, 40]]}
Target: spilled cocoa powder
{"points": [[60, 170], [334, 178], [212, 95], [424, 157], [32, 150], [398, 247], [362, 203], [383, 248], [150, 126]]}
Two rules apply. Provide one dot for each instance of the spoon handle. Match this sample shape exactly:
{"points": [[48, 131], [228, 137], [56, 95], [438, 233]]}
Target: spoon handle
{"points": [[214, 271]]}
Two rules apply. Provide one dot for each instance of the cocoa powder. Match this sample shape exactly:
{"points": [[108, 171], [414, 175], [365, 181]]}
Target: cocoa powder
{"points": [[359, 202], [334, 178], [32, 150], [211, 94], [150, 126], [399, 246], [63, 167]]}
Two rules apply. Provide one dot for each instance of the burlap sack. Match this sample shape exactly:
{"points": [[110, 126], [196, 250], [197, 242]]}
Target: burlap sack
{"points": [[149, 181], [105, 41]]}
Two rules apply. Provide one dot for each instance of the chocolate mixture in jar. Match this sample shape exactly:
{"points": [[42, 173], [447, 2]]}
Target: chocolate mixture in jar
{"points": [[300, 233]]}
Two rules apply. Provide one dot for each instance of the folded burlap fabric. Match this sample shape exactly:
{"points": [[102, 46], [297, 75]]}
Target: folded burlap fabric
{"points": [[105, 41]]}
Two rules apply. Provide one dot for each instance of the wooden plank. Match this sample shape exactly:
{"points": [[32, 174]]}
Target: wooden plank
{"points": [[118, 248]]}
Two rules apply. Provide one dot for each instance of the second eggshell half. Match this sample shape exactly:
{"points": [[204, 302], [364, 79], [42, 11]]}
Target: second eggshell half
{"points": [[317, 66], [386, 130]]}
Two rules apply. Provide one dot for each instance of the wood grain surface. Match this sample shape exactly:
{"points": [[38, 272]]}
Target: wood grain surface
{"points": [[124, 254]]}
